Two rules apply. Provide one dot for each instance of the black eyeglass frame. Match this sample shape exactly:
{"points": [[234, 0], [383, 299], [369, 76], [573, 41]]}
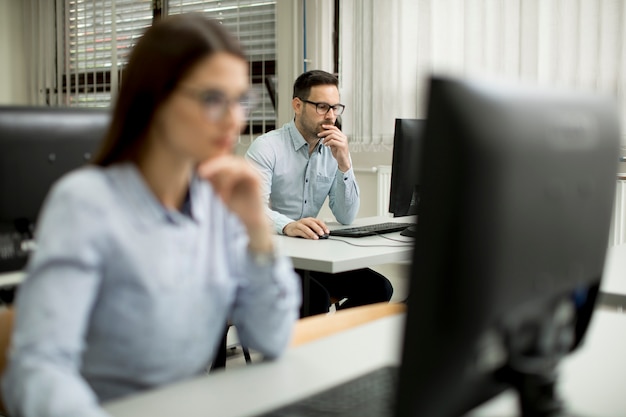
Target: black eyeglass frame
{"points": [[319, 107]]}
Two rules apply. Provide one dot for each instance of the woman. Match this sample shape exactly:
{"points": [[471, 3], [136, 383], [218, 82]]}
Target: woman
{"points": [[140, 262]]}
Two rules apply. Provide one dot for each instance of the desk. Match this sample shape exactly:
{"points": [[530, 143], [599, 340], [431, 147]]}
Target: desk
{"points": [[335, 255], [339, 254], [613, 286], [593, 377], [10, 279]]}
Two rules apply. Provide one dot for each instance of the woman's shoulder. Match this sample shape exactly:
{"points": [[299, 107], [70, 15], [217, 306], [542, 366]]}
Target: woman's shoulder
{"points": [[84, 177], [88, 183]]}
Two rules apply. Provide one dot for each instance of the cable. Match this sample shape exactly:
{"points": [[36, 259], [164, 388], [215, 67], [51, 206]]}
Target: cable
{"points": [[371, 246]]}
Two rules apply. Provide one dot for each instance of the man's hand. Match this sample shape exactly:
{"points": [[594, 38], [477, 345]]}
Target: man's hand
{"points": [[308, 228], [239, 186], [338, 143]]}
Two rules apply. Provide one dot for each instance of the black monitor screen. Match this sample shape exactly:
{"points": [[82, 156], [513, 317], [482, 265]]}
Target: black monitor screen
{"points": [[404, 192], [37, 146], [517, 190]]}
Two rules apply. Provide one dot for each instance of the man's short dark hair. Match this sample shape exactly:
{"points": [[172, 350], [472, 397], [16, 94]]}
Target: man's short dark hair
{"points": [[302, 85]]}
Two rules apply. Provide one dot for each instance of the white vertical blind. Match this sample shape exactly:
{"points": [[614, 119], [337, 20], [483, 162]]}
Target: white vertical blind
{"points": [[389, 48], [40, 50]]}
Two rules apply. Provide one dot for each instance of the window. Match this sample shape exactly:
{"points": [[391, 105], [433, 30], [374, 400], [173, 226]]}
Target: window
{"points": [[99, 35], [93, 31]]}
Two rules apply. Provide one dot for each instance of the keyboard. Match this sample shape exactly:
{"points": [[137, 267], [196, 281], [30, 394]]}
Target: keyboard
{"points": [[369, 395], [371, 229], [15, 249]]}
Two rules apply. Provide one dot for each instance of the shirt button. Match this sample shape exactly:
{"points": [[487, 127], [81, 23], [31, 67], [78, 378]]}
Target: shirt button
{"points": [[304, 201], [307, 180]]}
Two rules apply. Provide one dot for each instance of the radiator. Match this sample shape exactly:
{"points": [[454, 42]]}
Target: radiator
{"points": [[383, 181], [617, 235]]}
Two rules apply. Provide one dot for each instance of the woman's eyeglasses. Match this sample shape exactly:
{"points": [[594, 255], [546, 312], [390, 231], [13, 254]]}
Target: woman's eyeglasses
{"points": [[216, 104]]}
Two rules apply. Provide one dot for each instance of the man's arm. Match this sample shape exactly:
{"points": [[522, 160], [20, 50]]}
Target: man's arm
{"points": [[343, 199]]}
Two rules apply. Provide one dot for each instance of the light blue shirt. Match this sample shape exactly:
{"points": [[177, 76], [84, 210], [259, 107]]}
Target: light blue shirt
{"points": [[123, 295], [296, 184]]}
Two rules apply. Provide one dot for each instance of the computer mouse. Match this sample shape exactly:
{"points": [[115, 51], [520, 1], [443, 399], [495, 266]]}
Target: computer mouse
{"points": [[324, 236]]}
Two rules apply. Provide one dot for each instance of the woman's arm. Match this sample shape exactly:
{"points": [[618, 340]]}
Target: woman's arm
{"points": [[53, 307], [268, 296]]}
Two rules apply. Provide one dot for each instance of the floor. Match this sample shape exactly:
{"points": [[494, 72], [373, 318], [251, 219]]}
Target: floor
{"points": [[397, 273]]}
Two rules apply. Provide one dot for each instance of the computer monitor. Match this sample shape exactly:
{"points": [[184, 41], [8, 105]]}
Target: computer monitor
{"points": [[37, 146], [517, 190], [404, 190]]}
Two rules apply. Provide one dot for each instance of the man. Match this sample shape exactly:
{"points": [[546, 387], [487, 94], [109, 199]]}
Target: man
{"points": [[302, 163]]}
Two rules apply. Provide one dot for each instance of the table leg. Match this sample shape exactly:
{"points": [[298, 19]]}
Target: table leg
{"points": [[306, 292]]}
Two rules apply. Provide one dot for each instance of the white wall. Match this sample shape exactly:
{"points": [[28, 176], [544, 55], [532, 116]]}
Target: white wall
{"points": [[13, 83]]}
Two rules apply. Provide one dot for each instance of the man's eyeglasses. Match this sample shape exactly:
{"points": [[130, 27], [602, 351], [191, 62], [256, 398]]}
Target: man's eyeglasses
{"points": [[323, 108], [216, 104]]}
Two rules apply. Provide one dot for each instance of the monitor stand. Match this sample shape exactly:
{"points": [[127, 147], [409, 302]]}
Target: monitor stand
{"points": [[534, 373]]}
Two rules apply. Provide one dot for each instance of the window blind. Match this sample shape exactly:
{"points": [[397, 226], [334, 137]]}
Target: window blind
{"points": [[254, 23], [99, 35]]}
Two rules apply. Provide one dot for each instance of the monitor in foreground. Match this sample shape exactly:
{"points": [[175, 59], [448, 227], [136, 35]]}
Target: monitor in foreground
{"points": [[517, 189]]}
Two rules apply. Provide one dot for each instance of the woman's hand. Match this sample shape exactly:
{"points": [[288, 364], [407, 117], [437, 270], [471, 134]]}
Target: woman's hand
{"points": [[239, 186]]}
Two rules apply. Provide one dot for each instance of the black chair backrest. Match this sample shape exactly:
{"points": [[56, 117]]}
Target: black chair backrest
{"points": [[37, 146]]}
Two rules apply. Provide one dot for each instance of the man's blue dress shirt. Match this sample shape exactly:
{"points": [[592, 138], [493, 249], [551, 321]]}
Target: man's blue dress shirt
{"points": [[299, 183]]}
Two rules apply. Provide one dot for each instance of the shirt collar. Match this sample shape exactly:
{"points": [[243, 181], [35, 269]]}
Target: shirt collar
{"points": [[144, 202], [296, 137]]}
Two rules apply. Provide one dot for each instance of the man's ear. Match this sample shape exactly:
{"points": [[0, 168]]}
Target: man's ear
{"points": [[296, 103]]}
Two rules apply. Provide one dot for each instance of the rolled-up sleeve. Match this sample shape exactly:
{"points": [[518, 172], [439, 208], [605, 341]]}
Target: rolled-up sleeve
{"points": [[344, 201], [268, 300]]}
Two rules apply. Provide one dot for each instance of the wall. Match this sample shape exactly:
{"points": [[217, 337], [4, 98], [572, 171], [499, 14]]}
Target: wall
{"points": [[12, 58]]}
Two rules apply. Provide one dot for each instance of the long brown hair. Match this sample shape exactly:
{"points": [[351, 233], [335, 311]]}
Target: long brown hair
{"points": [[160, 59]]}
